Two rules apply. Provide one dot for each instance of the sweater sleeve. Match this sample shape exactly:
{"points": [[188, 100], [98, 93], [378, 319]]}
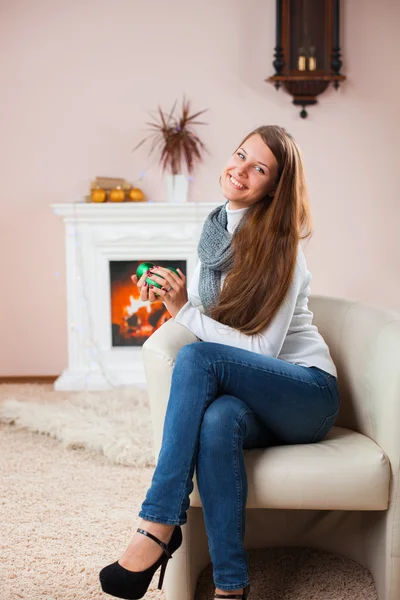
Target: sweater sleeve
{"points": [[193, 287], [268, 342]]}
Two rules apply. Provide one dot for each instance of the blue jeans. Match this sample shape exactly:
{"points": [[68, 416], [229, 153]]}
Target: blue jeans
{"points": [[223, 399]]}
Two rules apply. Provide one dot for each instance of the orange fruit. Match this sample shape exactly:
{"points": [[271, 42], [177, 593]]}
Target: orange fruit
{"points": [[136, 195], [98, 195], [117, 195]]}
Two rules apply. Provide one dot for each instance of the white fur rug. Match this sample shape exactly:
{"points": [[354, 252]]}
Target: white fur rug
{"points": [[116, 423]]}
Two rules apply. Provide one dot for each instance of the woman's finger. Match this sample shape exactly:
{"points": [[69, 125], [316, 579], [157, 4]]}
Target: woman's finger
{"points": [[152, 296], [161, 292], [141, 281], [135, 279], [171, 277], [157, 279], [144, 292], [143, 278], [181, 275]]}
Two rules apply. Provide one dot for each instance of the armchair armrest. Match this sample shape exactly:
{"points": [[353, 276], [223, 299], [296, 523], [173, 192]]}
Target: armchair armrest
{"points": [[364, 341], [365, 345], [158, 355]]}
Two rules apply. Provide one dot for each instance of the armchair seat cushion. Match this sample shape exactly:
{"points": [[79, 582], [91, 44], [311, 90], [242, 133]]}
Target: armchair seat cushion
{"points": [[345, 471]]}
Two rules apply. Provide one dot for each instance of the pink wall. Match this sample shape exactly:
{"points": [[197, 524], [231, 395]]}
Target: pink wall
{"points": [[78, 79]]}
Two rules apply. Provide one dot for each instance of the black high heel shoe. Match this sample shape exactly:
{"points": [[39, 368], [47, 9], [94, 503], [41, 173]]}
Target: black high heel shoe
{"points": [[243, 596], [131, 585]]}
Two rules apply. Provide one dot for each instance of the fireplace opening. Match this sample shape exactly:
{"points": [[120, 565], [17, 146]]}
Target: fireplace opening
{"points": [[134, 321]]}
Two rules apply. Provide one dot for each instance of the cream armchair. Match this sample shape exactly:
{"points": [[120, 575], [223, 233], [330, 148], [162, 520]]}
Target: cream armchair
{"points": [[341, 495]]}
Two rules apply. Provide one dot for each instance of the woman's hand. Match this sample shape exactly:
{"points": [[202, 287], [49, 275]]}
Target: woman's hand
{"points": [[173, 293], [145, 293]]}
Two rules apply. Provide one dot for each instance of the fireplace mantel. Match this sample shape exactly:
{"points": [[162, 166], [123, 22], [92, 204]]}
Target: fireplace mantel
{"points": [[119, 212], [96, 234]]}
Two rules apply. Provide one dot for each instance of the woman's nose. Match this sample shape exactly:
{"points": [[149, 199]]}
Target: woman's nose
{"points": [[242, 171]]}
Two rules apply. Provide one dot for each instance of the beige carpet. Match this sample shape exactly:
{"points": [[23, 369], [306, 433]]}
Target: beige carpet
{"points": [[67, 510]]}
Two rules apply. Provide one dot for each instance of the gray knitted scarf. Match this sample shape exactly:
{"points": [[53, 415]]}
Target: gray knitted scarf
{"points": [[215, 254]]}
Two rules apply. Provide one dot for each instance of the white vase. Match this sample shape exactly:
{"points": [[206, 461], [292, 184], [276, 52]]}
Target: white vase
{"points": [[177, 188]]}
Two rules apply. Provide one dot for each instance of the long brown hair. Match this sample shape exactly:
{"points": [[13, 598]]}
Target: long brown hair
{"points": [[266, 243]]}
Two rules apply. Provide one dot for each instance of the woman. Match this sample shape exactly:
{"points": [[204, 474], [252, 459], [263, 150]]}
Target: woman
{"points": [[261, 375]]}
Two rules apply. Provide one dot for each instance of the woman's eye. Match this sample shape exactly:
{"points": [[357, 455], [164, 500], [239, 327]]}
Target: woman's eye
{"points": [[261, 170]]}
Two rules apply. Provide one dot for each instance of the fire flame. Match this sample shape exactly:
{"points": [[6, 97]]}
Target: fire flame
{"points": [[135, 319]]}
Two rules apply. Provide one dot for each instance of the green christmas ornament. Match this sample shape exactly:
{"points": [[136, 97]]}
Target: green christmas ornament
{"points": [[143, 267]]}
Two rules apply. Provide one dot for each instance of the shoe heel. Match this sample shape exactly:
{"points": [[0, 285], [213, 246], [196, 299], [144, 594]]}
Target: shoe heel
{"points": [[162, 573]]}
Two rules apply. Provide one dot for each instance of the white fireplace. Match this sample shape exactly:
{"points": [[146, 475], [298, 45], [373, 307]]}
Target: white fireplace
{"points": [[102, 242]]}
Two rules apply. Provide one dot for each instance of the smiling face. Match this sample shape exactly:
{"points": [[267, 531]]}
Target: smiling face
{"points": [[250, 173]]}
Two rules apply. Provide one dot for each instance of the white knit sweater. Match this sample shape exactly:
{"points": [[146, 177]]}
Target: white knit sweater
{"points": [[291, 336]]}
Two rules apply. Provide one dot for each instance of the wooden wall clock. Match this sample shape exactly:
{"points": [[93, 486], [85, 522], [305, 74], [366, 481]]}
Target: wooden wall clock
{"points": [[307, 52]]}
